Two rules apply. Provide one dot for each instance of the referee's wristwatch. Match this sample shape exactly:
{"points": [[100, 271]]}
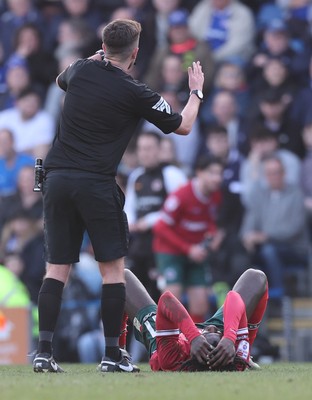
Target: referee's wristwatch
{"points": [[101, 53], [198, 93]]}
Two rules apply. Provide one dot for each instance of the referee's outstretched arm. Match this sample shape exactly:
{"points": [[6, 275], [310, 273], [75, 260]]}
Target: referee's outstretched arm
{"points": [[190, 111]]}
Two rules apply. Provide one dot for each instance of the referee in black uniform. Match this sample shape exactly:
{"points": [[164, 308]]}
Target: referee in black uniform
{"points": [[102, 108]]}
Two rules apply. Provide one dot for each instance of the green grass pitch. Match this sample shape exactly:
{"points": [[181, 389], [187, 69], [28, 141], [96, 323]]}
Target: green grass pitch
{"points": [[283, 381]]}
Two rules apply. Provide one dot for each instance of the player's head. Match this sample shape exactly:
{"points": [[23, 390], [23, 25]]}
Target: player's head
{"points": [[212, 334], [213, 337], [121, 39], [209, 173]]}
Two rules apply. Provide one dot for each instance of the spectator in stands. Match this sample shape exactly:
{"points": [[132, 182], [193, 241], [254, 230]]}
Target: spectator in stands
{"points": [[143, 12], [186, 146], [25, 199], [173, 78], [13, 292], [148, 186], [182, 44], [168, 151], [217, 144], [14, 263], [274, 229], [264, 143], [18, 229], [21, 230], [276, 43], [273, 113], [28, 46], [19, 12], [32, 127], [55, 95], [22, 248], [16, 293], [17, 79], [187, 232], [224, 112], [2, 71], [306, 175], [226, 25], [75, 35], [275, 75], [85, 11], [128, 163], [301, 107], [229, 76], [228, 260], [160, 23], [297, 15], [11, 163]]}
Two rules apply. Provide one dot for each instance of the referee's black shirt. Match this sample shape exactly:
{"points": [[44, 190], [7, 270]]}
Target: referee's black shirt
{"points": [[102, 108]]}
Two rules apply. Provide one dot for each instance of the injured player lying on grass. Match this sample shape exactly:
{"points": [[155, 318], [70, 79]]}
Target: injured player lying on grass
{"points": [[221, 343]]}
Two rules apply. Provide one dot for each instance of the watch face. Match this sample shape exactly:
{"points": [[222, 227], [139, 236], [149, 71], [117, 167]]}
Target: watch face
{"points": [[200, 94]]}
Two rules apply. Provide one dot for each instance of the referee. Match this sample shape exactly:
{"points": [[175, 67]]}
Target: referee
{"points": [[102, 108]]}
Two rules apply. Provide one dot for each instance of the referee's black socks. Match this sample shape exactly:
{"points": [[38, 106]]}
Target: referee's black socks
{"points": [[49, 306], [112, 307]]}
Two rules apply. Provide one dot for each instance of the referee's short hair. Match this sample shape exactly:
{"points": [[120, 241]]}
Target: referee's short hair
{"points": [[120, 37]]}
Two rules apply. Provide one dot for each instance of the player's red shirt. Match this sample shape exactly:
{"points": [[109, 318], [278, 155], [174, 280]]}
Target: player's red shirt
{"points": [[187, 217], [176, 330]]}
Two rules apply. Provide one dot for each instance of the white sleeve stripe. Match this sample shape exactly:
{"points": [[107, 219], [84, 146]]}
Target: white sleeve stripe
{"points": [[242, 331], [167, 332], [253, 326]]}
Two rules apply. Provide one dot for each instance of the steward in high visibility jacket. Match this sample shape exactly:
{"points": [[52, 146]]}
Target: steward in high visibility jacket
{"points": [[13, 293]]}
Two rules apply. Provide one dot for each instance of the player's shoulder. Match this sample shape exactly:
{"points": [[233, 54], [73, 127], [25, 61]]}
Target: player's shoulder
{"points": [[185, 190], [173, 169], [182, 194]]}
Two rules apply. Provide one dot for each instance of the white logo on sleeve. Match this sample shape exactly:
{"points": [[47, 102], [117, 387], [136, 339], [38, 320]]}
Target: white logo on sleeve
{"points": [[162, 106]]}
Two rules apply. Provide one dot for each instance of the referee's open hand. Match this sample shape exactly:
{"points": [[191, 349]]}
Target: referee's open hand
{"points": [[196, 76]]}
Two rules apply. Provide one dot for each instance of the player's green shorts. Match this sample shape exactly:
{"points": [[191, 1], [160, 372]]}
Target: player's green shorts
{"points": [[180, 269], [144, 325]]}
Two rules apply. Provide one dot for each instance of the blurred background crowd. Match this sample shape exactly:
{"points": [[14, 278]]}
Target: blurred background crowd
{"points": [[256, 117]]}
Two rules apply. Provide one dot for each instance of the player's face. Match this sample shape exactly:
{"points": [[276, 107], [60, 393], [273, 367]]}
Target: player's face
{"points": [[210, 178], [148, 149], [211, 329], [212, 335]]}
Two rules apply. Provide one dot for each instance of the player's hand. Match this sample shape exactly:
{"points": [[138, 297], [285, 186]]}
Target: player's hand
{"points": [[200, 348], [222, 355], [197, 253], [196, 76]]}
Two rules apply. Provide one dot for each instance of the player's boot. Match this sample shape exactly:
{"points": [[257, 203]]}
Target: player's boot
{"points": [[253, 365], [123, 365], [44, 362]]}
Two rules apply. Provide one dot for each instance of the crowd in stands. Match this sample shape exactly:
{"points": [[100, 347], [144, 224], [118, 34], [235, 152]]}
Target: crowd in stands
{"points": [[256, 117]]}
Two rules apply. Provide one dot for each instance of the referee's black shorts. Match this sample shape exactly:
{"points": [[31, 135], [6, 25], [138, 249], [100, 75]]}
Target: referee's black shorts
{"points": [[75, 201]]}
